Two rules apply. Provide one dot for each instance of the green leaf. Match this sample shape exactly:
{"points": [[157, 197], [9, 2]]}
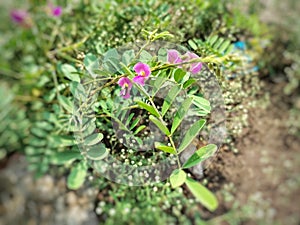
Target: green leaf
{"points": [[51, 94], [111, 53], [200, 155], [165, 148], [39, 132], [60, 141], [147, 107], [224, 46], [213, 39], [61, 158], [112, 65], [32, 150], [178, 74], [128, 56], [97, 152], [177, 178], [93, 139], [44, 125], [201, 103], [91, 64], [70, 72], [37, 142], [181, 113], [65, 103], [111, 61], [158, 82], [229, 49], [139, 129], [204, 196], [77, 176], [134, 123], [89, 127], [162, 55], [145, 56], [218, 43], [174, 91], [78, 90], [189, 82], [192, 44], [160, 125], [191, 134], [129, 119]]}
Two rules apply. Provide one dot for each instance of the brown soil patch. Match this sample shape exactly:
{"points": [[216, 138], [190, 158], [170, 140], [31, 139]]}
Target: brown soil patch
{"points": [[265, 173]]}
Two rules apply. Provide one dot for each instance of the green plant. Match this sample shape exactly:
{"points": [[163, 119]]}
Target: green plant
{"points": [[54, 67], [97, 119], [14, 126]]}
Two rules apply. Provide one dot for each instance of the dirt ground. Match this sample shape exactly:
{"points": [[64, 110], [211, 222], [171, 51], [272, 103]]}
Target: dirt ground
{"points": [[262, 180]]}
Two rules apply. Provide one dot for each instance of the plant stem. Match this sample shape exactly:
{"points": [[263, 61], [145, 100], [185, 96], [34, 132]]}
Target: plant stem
{"points": [[100, 88], [163, 122]]}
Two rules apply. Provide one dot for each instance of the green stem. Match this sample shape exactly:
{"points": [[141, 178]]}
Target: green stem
{"points": [[100, 79], [142, 48], [208, 59], [99, 89], [162, 121], [177, 156]]}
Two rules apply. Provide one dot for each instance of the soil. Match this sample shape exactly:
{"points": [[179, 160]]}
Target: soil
{"points": [[263, 178]]}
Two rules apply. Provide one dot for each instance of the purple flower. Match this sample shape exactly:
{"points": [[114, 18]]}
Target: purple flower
{"points": [[126, 86], [194, 68], [56, 11], [20, 17], [143, 72], [173, 57], [53, 10]]}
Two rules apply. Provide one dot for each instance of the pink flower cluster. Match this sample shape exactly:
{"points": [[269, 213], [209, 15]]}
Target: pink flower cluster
{"points": [[54, 10], [174, 57], [22, 17], [143, 72]]}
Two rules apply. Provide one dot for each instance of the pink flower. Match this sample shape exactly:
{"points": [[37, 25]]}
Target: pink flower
{"points": [[52, 10], [20, 17], [126, 86], [56, 11], [194, 68], [143, 72], [173, 57]]}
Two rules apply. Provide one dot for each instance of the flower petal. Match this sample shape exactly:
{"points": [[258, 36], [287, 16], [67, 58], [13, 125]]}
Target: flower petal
{"points": [[178, 60], [192, 55], [195, 68], [147, 70], [125, 93], [173, 56], [140, 68], [139, 80], [56, 11], [18, 16], [125, 80]]}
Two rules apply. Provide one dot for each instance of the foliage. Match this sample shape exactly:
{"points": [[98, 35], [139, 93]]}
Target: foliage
{"points": [[14, 126], [153, 204], [56, 69]]}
